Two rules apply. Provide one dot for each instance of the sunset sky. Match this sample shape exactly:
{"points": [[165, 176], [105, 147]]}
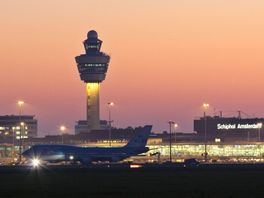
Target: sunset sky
{"points": [[167, 58]]}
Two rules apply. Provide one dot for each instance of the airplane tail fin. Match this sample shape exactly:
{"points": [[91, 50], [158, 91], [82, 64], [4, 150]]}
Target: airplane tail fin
{"points": [[141, 137]]}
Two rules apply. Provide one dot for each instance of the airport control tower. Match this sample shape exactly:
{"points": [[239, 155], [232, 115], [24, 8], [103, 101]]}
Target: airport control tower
{"points": [[92, 67]]}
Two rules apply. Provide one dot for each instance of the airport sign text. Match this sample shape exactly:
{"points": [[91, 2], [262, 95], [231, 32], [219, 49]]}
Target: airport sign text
{"points": [[238, 126]]}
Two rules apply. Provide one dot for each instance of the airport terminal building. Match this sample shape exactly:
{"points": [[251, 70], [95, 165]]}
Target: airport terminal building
{"points": [[12, 125], [230, 129]]}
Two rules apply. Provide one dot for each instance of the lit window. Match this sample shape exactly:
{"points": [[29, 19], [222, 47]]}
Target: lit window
{"points": [[92, 46], [94, 65]]}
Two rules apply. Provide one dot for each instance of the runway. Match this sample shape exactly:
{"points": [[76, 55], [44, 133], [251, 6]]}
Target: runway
{"points": [[132, 167], [122, 181]]}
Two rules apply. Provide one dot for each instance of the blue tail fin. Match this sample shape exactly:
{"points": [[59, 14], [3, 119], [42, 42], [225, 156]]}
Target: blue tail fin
{"points": [[141, 137]]}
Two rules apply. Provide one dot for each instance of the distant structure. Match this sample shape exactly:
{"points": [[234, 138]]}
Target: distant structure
{"points": [[82, 127], [230, 129], [12, 125], [92, 67]]}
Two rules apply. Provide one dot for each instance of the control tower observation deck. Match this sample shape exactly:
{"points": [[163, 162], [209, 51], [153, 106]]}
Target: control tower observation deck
{"points": [[92, 67]]}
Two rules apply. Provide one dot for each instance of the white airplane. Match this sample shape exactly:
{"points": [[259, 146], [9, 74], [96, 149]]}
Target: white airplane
{"points": [[86, 155]]}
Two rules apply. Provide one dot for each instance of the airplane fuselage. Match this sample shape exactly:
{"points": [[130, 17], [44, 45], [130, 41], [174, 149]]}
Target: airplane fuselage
{"points": [[56, 153]]}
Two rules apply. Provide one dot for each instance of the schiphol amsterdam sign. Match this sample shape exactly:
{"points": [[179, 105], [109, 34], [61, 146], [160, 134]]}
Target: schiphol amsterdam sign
{"points": [[238, 126]]}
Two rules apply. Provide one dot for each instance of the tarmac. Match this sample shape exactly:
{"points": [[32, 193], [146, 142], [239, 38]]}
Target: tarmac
{"points": [[134, 180]]}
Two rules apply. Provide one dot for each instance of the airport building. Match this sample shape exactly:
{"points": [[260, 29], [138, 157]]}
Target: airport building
{"points": [[15, 126], [216, 151], [82, 127], [242, 152], [230, 129], [92, 67]]}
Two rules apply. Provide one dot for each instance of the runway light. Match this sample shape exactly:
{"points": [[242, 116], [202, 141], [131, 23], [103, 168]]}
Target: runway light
{"points": [[135, 166], [35, 162]]}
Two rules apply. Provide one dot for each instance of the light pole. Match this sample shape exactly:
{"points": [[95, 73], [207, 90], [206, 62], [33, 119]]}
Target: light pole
{"points": [[110, 104], [62, 130], [13, 130], [175, 127], [20, 104], [259, 128], [205, 107], [22, 135], [170, 123]]}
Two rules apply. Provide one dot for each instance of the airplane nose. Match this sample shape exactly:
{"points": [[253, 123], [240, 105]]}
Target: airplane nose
{"points": [[27, 153]]}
